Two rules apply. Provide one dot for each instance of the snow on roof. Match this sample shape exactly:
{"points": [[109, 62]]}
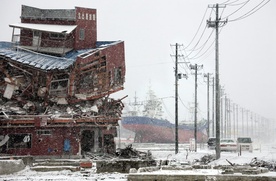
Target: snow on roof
{"points": [[43, 61], [36, 13], [45, 27]]}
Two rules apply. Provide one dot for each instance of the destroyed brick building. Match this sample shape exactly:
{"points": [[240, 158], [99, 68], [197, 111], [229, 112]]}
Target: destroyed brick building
{"points": [[55, 82]]}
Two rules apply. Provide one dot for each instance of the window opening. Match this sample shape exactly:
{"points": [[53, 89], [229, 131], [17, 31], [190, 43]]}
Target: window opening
{"points": [[44, 132], [20, 141], [82, 34], [57, 36], [118, 75]]}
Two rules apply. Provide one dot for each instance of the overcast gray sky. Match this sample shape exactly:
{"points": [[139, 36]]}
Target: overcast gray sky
{"points": [[150, 27]]}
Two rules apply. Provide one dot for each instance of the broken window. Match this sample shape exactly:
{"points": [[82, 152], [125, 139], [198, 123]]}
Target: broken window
{"points": [[57, 36], [118, 75], [87, 81], [59, 84], [20, 141], [93, 75]]}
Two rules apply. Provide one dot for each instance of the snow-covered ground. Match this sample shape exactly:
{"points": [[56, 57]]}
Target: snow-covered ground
{"points": [[265, 152]]}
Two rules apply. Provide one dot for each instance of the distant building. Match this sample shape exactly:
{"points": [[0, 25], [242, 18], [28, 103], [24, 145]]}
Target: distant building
{"points": [[55, 79]]}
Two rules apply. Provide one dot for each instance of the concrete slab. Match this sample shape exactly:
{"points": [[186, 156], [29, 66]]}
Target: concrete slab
{"points": [[11, 166], [199, 175], [181, 177]]}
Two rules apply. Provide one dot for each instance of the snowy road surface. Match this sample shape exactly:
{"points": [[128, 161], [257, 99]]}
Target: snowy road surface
{"points": [[262, 152]]}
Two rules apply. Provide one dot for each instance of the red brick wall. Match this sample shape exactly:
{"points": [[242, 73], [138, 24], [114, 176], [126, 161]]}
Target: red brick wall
{"points": [[86, 19], [115, 58], [46, 144]]}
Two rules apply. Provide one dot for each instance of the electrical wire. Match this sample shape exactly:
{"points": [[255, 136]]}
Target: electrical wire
{"points": [[195, 56], [200, 49], [194, 48], [232, 3], [183, 103], [249, 13], [181, 62], [197, 29], [167, 110], [236, 10], [226, 2]]}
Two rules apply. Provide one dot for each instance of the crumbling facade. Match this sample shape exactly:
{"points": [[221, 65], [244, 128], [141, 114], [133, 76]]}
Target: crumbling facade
{"points": [[55, 82]]}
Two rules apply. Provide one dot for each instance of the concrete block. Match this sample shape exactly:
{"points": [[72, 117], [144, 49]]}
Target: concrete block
{"points": [[133, 170], [147, 169], [11, 166]]}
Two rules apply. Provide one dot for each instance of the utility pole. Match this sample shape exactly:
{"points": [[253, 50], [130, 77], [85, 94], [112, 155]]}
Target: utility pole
{"points": [[247, 125], [237, 113], [234, 119], [242, 121], [221, 110], [176, 98], [213, 106], [252, 131], [195, 67], [177, 76], [225, 116], [215, 24], [230, 125], [208, 104]]}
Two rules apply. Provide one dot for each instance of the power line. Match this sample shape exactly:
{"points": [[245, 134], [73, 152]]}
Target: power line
{"points": [[197, 29], [167, 110], [183, 103], [193, 58], [226, 1], [232, 3], [202, 46], [252, 11], [194, 48], [236, 10]]}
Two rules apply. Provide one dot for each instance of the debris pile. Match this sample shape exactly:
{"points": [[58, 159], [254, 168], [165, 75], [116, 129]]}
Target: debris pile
{"points": [[122, 161], [129, 152], [255, 162], [107, 107], [205, 159]]}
